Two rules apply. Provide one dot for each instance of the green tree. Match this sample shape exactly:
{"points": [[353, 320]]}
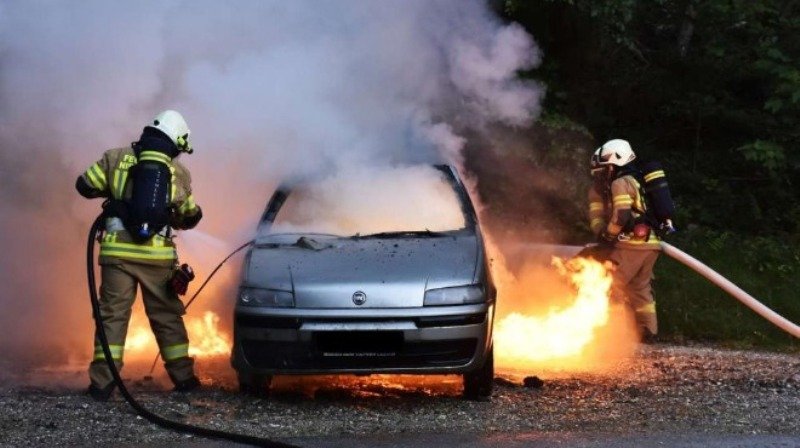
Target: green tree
{"points": [[711, 88]]}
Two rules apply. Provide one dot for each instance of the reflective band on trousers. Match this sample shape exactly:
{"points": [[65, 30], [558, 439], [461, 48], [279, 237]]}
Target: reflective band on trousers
{"points": [[596, 206], [116, 352], [650, 308], [172, 352]]}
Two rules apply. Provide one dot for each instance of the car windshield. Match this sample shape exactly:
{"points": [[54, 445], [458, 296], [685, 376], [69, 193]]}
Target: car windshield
{"points": [[417, 200]]}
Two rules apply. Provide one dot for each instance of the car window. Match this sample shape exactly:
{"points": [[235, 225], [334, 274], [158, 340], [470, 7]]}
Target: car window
{"points": [[368, 201]]}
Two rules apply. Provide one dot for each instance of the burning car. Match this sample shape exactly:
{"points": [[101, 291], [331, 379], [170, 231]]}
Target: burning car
{"points": [[367, 273]]}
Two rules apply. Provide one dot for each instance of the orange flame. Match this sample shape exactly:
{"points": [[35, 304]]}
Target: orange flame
{"points": [[205, 337], [139, 339], [564, 333]]}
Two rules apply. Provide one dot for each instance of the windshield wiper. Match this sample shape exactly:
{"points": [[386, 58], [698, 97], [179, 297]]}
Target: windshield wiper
{"points": [[401, 234], [305, 240]]}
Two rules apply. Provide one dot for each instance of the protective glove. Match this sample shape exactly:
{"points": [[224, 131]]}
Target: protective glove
{"points": [[181, 279], [182, 222]]}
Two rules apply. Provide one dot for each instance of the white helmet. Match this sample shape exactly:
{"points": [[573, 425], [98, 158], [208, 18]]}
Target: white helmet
{"points": [[613, 152], [174, 126]]}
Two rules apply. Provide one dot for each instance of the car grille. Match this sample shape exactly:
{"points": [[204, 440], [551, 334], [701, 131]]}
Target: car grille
{"points": [[245, 320], [358, 350], [450, 321]]}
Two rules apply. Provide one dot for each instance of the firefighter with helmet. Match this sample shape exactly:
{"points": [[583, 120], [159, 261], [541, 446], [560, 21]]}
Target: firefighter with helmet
{"points": [[128, 261], [617, 214]]}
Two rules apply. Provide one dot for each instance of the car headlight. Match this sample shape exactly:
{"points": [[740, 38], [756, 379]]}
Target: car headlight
{"points": [[265, 297], [460, 295]]}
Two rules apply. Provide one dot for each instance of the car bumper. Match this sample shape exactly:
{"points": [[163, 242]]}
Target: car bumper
{"points": [[448, 339]]}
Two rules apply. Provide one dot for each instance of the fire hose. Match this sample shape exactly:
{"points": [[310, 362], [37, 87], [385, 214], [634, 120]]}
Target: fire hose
{"points": [[96, 229], [729, 287]]}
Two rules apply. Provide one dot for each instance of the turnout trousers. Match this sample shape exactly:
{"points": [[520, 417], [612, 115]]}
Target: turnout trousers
{"points": [[163, 308], [632, 284]]}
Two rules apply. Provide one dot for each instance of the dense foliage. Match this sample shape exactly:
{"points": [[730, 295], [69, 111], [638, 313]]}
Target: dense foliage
{"points": [[710, 88], [689, 307]]}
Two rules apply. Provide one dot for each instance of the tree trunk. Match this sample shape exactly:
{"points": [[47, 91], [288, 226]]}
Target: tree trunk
{"points": [[687, 29]]}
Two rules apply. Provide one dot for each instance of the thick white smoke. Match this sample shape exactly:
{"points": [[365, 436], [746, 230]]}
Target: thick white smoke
{"points": [[272, 90], [354, 201]]}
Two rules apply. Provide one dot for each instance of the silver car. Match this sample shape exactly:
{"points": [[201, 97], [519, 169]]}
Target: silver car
{"points": [[317, 297]]}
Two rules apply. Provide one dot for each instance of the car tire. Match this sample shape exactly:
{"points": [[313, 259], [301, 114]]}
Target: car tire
{"points": [[253, 384], [478, 383]]}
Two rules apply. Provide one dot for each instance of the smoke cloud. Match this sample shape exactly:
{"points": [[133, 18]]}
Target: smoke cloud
{"points": [[272, 90], [355, 202]]}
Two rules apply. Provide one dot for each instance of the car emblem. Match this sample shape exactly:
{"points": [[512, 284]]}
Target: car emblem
{"points": [[359, 298]]}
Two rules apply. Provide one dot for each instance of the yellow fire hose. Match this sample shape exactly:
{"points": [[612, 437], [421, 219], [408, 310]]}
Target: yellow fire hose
{"points": [[731, 289]]}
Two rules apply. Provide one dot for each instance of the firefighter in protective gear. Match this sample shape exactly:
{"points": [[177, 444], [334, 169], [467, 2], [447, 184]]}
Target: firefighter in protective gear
{"points": [[617, 214], [126, 263]]}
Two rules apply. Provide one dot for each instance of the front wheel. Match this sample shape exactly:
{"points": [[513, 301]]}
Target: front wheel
{"points": [[478, 383], [253, 384]]}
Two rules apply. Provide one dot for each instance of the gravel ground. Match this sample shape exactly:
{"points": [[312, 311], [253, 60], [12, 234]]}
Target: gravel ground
{"points": [[665, 389]]}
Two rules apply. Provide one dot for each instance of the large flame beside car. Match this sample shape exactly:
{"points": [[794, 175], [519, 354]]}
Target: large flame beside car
{"points": [[562, 333]]}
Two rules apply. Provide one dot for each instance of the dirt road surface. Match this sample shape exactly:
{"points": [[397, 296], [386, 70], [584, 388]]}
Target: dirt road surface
{"points": [[665, 396]]}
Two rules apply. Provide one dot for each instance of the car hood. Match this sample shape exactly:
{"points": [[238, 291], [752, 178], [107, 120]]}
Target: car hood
{"points": [[393, 273]]}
